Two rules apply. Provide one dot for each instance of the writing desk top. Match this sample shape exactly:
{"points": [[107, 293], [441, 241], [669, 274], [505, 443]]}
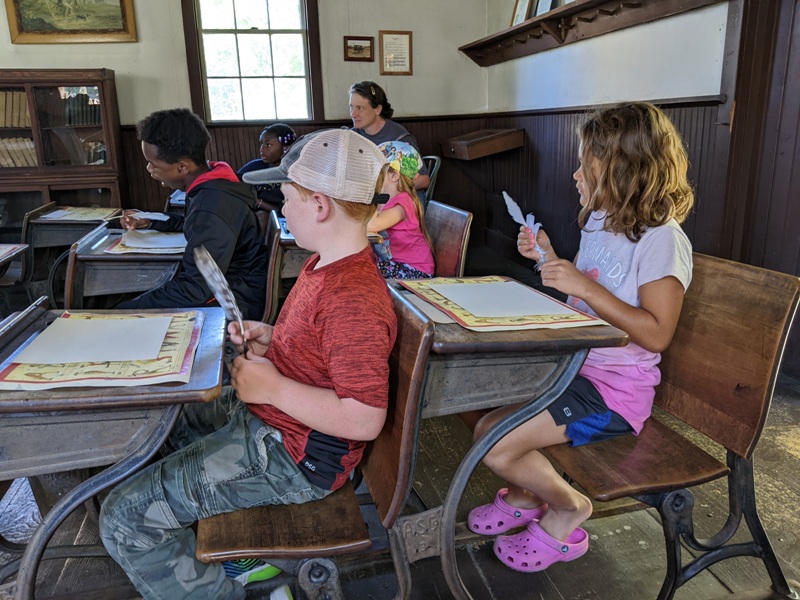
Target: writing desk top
{"points": [[93, 245], [204, 385], [452, 338]]}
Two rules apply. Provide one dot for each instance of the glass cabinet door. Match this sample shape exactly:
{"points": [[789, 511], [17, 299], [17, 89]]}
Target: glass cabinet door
{"points": [[71, 125], [17, 148]]}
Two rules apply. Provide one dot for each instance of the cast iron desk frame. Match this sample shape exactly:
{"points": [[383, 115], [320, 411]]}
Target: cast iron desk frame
{"points": [[470, 370], [86, 427], [93, 272]]}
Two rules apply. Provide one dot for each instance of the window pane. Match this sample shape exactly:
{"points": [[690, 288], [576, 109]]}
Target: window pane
{"points": [[220, 54], [285, 14], [225, 99], [259, 99], [288, 51], [255, 54], [292, 98], [250, 14], [216, 14]]}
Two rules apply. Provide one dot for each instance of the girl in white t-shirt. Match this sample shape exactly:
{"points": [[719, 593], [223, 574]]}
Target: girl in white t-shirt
{"points": [[632, 269]]}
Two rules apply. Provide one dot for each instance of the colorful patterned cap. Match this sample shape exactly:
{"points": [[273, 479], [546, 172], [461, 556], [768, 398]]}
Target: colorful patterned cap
{"points": [[402, 157]]}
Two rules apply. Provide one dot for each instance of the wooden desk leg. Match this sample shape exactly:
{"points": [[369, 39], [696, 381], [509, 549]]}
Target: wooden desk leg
{"points": [[26, 578], [475, 455]]}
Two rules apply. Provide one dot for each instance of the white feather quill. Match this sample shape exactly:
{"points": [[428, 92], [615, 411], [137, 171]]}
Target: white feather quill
{"points": [[530, 221], [219, 287]]}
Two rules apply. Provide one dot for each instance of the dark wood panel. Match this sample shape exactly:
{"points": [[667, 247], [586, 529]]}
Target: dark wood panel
{"points": [[538, 175]]}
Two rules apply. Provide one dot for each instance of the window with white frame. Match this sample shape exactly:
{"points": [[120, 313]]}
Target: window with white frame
{"points": [[254, 59]]}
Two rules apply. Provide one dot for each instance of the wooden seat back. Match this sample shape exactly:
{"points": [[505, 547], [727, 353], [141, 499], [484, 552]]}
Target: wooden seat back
{"points": [[334, 525], [449, 230], [432, 163], [272, 240], [388, 463], [719, 372]]}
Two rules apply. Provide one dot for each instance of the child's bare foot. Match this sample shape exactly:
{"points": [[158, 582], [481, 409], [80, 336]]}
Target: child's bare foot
{"points": [[519, 498], [560, 521]]}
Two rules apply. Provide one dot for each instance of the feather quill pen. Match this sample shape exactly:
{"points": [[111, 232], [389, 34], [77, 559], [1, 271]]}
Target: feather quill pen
{"points": [[529, 221], [219, 287]]}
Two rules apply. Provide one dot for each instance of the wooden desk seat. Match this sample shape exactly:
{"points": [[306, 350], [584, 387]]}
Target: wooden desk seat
{"points": [[299, 538], [718, 376]]}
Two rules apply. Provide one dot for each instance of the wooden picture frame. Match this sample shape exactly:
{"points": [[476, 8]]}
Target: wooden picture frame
{"points": [[359, 48], [521, 10], [396, 51], [70, 22]]}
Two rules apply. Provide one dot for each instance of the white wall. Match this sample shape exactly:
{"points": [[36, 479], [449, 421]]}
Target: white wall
{"points": [[150, 74], [444, 82], [676, 57]]}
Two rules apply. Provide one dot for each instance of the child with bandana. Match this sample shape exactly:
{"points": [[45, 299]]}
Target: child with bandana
{"points": [[407, 250]]}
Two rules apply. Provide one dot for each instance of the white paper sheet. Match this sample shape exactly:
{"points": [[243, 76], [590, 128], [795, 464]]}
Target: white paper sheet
{"points": [[77, 340], [153, 216], [285, 233], [147, 238], [56, 214], [506, 299]]}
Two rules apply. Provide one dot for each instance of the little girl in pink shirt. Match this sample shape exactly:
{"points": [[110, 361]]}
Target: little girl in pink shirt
{"points": [[409, 253]]}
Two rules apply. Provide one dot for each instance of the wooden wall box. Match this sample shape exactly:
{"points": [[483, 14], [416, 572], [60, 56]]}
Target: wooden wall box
{"points": [[482, 143]]}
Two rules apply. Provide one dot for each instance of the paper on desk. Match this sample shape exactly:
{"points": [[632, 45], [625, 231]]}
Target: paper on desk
{"points": [[74, 341], [153, 216], [79, 213], [551, 314], [147, 238], [56, 214], [503, 299], [285, 233]]}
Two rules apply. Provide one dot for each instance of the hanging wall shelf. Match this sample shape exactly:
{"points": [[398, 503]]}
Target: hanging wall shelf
{"points": [[572, 22]]}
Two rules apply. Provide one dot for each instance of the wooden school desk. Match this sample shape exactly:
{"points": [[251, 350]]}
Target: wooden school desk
{"points": [[56, 430], [9, 252], [469, 370], [93, 272], [293, 256]]}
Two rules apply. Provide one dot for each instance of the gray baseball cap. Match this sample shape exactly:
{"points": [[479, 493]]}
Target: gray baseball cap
{"points": [[336, 162]]}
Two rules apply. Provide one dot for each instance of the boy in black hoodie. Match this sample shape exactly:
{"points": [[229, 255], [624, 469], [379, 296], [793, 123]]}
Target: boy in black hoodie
{"points": [[219, 215]]}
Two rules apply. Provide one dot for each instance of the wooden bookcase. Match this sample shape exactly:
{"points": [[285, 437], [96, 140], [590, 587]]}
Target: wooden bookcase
{"points": [[59, 142]]}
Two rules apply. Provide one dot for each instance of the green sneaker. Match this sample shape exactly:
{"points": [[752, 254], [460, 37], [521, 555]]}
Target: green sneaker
{"points": [[248, 570], [282, 593]]}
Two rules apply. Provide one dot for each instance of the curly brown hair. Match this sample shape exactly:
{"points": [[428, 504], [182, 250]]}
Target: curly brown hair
{"points": [[642, 164]]}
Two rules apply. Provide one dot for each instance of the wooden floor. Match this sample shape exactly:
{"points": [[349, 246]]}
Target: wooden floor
{"points": [[625, 558]]}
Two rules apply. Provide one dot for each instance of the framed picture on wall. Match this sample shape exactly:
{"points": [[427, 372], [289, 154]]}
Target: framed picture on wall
{"points": [[396, 51], [359, 48], [521, 10], [70, 21]]}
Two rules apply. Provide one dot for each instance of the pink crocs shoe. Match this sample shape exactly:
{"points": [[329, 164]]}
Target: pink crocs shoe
{"points": [[499, 516], [534, 549]]}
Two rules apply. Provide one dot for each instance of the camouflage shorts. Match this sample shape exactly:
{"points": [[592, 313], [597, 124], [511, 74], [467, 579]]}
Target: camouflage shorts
{"points": [[222, 458]]}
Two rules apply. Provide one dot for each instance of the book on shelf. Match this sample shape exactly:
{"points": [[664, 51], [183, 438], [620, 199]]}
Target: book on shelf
{"points": [[11, 114], [20, 151], [16, 155], [25, 110], [5, 156], [2, 108], [28, 150]]}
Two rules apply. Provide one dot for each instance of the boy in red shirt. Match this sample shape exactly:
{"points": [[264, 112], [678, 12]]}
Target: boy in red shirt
{"points": [[310, 393]]}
